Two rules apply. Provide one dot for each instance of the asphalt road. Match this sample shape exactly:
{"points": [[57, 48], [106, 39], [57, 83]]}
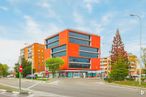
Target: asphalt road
{"points": [[74, 88]]}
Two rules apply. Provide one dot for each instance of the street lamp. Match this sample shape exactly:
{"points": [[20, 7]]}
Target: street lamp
{"points": [[140, 38]]}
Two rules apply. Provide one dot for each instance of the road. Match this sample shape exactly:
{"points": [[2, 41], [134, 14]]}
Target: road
{"points": [[74, 88]]}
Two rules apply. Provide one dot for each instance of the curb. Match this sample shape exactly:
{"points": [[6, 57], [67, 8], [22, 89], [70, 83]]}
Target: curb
{"points": [[133, 87]]}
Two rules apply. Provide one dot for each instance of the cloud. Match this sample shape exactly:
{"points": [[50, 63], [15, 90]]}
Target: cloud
{"points": [[90, 3], [9, 51]]}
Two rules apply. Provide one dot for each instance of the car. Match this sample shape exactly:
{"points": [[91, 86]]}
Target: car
{"points": [[30, 76]]}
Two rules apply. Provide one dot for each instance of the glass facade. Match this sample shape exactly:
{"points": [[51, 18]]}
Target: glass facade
{"points": [[85, 60], [59, 54], [79, 38], [78, 41], [59, 51], [53, 39], [79, 62], [89, 55], [52, 42], [73, 65], [60, 48], [88, 49], [88, 52]]}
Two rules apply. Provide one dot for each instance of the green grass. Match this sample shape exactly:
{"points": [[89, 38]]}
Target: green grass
{"points": [[7, 88], [131, 83]]}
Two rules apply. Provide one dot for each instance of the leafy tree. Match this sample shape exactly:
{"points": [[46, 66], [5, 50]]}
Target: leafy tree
{"points": [[3, 70], [119, 59], [53, 64], [26, 65]]}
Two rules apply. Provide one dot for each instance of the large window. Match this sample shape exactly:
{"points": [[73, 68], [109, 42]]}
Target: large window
{"points": [[52, 44], [88, 52], [73, 65], [60, 48], [78, 35], [83, 60], [59, 54], [78, 41], [53, 39], [79, 38], [59, 51], [89, 55], [88, 49]]}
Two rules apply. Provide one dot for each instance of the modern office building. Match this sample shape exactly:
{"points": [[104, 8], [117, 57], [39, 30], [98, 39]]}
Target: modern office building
{"points": [[79, 50], [35, 54], [105, 66]]}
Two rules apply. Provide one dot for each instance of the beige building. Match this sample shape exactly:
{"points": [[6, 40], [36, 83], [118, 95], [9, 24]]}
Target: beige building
{"points": [[105, 66], [133, 66]]}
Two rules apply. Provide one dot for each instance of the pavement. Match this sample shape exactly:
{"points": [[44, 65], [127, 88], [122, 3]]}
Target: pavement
{"points": [[71, 88]]}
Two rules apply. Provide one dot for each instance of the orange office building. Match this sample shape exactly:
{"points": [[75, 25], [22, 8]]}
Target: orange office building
{"points": [[79, 50], [35, 54]]}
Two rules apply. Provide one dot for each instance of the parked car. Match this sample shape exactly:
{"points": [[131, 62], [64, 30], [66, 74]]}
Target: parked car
{"points": [[31, 76]]}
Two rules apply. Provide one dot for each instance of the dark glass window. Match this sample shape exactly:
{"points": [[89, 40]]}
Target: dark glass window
{"points": [[52, 44], [78, 35], [90, 55], [59, 54], [73, 65], [56, 49], [88, 49], [85, 60], [53, 39], [74, 40]]}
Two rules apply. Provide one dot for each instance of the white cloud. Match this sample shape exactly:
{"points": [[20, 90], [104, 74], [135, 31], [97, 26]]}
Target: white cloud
{"points": [[78, 18], [9, 51], [90, 3]]}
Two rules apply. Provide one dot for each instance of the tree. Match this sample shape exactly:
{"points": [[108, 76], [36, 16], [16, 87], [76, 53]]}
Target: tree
{"points": [[119, 59], [26, 65], [144, 59], [144, 56], [4, 70], [53, 64]]}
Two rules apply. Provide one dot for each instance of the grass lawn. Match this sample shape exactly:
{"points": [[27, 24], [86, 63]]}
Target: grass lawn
{"points": [[130, 83], [7, 88]]}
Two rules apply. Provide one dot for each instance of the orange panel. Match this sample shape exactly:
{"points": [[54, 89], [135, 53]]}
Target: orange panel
{"points": [[47, 54], [65, 65], [95, 41], [73, 50], [63, 37], [95, 63]]}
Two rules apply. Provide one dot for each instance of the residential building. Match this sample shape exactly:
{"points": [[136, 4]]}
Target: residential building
{"points": [[105, 66], [133, 65], [79, 50], [35, 54]]}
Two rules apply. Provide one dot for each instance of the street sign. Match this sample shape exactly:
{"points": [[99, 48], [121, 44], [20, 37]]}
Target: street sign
{"points": [[20, 69]]}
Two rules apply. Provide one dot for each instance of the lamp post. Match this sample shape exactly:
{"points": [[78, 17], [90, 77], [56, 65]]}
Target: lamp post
{"points": [[140, 47]]}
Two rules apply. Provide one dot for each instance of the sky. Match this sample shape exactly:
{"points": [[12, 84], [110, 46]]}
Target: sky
{"points": [[23, 22]]}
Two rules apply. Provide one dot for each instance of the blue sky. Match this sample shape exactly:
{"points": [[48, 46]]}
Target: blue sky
{"points": [[28, 21]]}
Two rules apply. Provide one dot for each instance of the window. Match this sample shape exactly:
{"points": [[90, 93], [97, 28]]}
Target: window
{"points": [[78, 35], [83, 60], [88, 49], [73, 65], [60, 48], [90, 55], [53, 39], [73, 40], [63, 53], [52, 44]]}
